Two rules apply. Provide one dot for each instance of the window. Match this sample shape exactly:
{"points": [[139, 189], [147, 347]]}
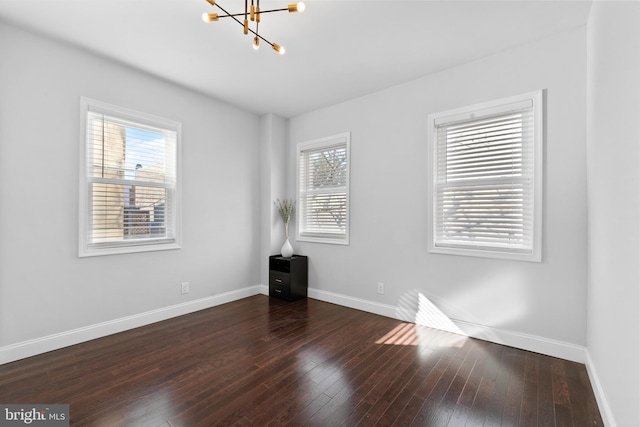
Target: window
{"points": [[323, 190], [129, 198], [486, 182]]}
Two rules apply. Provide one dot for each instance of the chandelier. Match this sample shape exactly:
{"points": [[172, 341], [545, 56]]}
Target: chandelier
{"points": [[251, 13]]}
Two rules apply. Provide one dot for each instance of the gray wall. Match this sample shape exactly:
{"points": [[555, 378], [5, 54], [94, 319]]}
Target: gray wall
{"points": [[389, 206], [273, 145], [44, 287], [613, 89]]}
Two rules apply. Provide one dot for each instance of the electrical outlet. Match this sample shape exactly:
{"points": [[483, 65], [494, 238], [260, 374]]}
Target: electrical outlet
{"points": [[185, 288], [380, 288]]}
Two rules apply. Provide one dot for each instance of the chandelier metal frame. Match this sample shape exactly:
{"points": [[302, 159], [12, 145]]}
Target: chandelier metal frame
{"points": [[252, 13]]}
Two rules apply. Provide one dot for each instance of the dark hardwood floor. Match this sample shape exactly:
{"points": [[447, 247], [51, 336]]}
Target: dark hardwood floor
{"points": [[261, 361]]}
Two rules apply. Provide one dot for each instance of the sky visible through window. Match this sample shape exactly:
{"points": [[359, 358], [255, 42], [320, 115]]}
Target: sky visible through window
{"points": [[144, 148]]}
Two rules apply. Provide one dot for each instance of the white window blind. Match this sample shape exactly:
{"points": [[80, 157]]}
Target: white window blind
{"points": [[323, 190], [487, 179], [130, 175]]}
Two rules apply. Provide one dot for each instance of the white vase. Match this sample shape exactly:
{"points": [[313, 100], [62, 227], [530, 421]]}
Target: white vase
{"points": [[287, 249]]}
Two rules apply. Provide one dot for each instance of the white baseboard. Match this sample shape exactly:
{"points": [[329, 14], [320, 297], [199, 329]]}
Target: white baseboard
{"points": [[264, 289], [30, 348], [64, 339], [351, 302], [519, 340], [603, 403], [524, 341]]}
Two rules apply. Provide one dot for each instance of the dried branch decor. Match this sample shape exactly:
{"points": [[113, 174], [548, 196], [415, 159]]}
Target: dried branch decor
{"points": [[285, 209]]}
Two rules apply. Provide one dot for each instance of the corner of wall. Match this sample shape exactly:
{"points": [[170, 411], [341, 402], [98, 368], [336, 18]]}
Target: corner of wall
{"points": [[273, 142], [601, 398]]}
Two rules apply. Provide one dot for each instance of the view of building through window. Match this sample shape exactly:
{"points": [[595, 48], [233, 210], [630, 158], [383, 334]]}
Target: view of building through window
{"points": [[131, 177], [144, 207]]}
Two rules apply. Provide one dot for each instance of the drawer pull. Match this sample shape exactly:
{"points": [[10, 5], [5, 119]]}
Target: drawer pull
{"points": [[279, 280], [278, 290]]}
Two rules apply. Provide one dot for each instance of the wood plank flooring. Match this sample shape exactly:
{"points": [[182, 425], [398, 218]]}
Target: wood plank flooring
{"points": [[262, 361]]}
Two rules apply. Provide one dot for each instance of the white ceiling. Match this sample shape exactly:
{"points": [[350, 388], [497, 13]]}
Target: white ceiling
{"points": [[336, 49]]}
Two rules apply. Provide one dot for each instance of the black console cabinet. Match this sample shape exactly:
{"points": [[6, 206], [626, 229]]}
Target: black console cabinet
{"points": [[288, 277]]}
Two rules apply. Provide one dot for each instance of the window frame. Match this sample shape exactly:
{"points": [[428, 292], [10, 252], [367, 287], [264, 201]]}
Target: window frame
{"points": [[478, 111], [89, 249], [316, 144]]}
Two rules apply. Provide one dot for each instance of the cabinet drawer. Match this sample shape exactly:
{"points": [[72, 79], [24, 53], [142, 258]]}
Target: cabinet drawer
{"points": [[277, 278], [280, 291]]}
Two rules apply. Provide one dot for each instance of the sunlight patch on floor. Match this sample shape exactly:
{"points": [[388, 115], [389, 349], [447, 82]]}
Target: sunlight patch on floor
{"points": [[421, 336], [403, 334], [426, 325]]}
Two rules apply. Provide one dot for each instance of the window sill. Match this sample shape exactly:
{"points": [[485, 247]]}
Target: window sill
{"points": [[487, 253], [328, 240], [118, 250]]}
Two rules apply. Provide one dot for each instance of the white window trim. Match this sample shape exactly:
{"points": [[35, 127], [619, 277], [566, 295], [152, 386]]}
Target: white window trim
{"points": [[328, 141], [86, 250], [477, 111]]}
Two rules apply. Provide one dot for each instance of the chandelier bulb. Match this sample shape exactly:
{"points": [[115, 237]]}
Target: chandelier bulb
{"points": [[252, 13], [296, 7], [278, 48], [256, 43], [208, 17], [211, 2], [246, 26]]}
